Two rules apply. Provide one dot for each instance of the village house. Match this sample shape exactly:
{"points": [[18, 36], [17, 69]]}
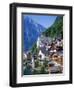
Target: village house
{"points": [[24, 56]]}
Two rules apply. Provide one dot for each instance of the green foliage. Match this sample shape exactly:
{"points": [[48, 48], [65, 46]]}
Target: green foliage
{"points": [[36, 72], [46, 63], [34, 49], [56, 29], [37, 63], [42, 69]]}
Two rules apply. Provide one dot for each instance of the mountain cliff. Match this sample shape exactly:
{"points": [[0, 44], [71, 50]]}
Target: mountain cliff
{"points": [[31, 31]]}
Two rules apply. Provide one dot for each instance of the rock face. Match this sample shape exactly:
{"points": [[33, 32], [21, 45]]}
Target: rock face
{"points": [[31, 31]]}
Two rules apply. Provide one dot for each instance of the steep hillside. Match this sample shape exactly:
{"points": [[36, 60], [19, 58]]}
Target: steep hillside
{"points": [[56, 30]]}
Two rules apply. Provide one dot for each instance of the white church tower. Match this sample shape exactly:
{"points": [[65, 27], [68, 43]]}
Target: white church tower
{"points": [[38, 42]]}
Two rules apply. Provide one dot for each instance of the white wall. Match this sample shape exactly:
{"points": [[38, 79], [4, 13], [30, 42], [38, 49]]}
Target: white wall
{"points": [[4, 43]]}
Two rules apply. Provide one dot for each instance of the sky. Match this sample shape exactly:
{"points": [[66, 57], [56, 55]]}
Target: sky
{"points": [[44, 20]]}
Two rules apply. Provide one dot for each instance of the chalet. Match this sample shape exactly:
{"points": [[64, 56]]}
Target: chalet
{"points": [[54, 67], [42, 55]]}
